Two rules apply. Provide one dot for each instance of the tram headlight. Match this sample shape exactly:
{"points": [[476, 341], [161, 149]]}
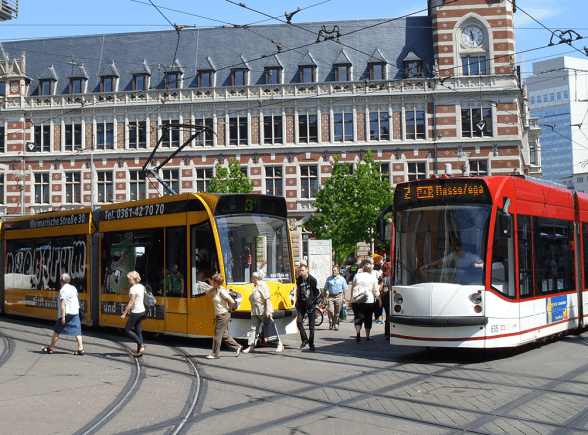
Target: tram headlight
{"points": [[398, 298], [476, 298], [293, 296]]}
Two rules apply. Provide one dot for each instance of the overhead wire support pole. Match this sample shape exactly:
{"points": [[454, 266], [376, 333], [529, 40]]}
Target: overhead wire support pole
{"points": [[153, 171]]}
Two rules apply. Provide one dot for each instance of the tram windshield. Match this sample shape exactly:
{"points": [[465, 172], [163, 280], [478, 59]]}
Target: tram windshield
{"points": [[444, 244], [253, 243]]}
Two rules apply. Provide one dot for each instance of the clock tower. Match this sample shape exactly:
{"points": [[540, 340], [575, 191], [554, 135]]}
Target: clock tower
{"points": [[472, 37]]}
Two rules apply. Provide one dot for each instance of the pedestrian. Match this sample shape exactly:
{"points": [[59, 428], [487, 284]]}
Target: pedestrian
{"points": [[335, 287], [364, 282], [385, 295], [261, 309], [307, 294], [300, 264], [223, 305], [354, 269], [68, 316], [135, 309]]}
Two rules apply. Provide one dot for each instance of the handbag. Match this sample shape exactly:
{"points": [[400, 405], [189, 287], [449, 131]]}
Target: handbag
{"points": [[270, 332], [82, 314], [359, 294]]}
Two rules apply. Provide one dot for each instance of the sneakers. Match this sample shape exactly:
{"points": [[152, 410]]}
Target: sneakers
{"points": [[239, 351], [280, 348], [211, 357]]}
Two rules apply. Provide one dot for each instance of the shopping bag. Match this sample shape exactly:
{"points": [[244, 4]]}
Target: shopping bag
{"points": [[343, 315], [270, 332]]}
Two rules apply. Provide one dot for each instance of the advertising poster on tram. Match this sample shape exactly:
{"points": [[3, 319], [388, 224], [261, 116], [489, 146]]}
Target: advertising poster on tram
{"points": [[557, 309]]}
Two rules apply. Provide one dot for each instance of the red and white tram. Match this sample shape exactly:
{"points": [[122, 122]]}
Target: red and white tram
{"points": [[487, 262]]}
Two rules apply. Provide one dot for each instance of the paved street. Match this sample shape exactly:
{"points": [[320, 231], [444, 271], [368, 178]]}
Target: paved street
{"points": [[343, 387]]}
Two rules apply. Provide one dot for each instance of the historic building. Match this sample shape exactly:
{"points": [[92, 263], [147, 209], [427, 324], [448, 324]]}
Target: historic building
{"points": [[429, 94]]}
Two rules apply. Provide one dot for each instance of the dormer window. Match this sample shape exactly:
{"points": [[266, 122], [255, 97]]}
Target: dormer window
{"points": [[76, 85], [273, 76], [205, 79], [107, 84], [239, 77], [413, 65], [342, 73], [45, 87], [307, 74], [377, 71], [140, 82], [172, 80]]}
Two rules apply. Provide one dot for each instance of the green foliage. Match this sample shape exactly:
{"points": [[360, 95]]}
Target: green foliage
{"points": [[230, 180], [348, 204]]}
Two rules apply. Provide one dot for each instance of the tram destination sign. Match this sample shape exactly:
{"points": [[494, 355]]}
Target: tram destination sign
{"points": [[432, 192], [49, 222]]}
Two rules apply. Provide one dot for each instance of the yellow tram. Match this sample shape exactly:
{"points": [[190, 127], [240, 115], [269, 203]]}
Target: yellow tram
{"points": [[174, 242]]}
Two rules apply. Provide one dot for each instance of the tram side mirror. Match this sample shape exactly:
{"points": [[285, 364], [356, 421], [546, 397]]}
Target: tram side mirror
{"points": [[381, 229], [506, 226]]}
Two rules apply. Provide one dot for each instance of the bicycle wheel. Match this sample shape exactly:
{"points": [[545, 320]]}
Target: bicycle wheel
{"points": [[318, 317]]}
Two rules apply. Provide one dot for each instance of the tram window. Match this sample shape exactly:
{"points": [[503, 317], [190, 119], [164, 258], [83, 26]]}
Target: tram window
{"points": [[554, 266], [175, 260], [525, 243], [38, 263], [500, 261], [125, 251], [204, 261]]}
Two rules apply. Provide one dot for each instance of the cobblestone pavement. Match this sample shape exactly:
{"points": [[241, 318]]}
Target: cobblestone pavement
{"points": [[342, 387]]}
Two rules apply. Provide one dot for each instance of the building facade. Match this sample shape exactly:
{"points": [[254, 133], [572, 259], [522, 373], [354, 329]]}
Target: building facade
{"points": [[81, 115], [558, 97]]}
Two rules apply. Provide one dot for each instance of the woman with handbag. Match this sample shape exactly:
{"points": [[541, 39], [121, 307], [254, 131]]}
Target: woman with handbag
{"points": [[135, 309], [261, 311], [223, 305], [364, 294]]}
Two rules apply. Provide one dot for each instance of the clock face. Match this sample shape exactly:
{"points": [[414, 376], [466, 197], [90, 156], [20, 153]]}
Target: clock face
{"points": [[472, 37]]}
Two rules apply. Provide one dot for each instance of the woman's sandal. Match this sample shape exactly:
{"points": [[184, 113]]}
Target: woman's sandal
{"points": [[79, 352], [47, 350], [141, 352]]}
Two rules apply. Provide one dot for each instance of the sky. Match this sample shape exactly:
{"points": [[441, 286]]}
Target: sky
{"points": [[535, 20]]}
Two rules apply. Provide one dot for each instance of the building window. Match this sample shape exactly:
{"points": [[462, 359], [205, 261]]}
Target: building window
{"points": [[377, 71], [42, 190], [205, 137], [306, 74], [171, 136], [171, 177], [273, 76], [566, 95], [476, 122], [308, 181], [2, 200], [558, 96], [272, 129], [343, 127], [76, 85], [552, 97], [105, 186], [532, 153], [105, 136], [273, 181], [479, 168], [385, 171], [379, 125], [342, 73], [172, 80], [238, 131], [140, 82], [107, 84], [45, 87], [2, 88], [239, 77], [415, 124], [205, 79], [43, 138], [138, 134], [2, 141], [580, 179], [73, 137], [416, 171], [307, 128], [473, 65], [532, 100], [73, 187], [203, 177], [137, 185], [413, 68]]}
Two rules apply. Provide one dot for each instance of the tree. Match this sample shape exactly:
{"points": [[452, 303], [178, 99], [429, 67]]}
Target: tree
{"points": [[349, 203], [230, 180]]}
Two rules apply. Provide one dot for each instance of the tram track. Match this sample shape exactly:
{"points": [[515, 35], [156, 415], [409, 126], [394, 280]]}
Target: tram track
{"points": [[6, 349], [197, 372]]}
